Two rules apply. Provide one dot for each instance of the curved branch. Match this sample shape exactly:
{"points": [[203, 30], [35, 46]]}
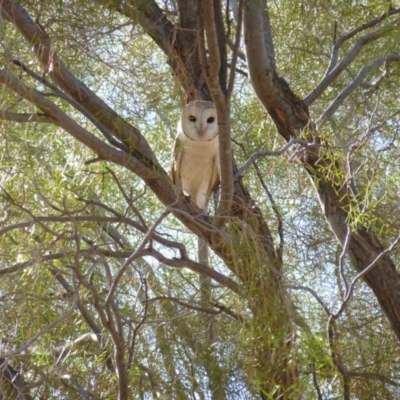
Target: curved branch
{"points": [[314, 294], [195, 267], [330, 76], [349, 90], [288, 112], [338, 44], [350, 290], [389, 59], [263, 153], [291, 117], [26, 117], [61, 119], [44, 50]]}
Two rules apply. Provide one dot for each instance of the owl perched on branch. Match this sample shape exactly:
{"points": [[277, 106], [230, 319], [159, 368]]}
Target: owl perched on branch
{"points": [[195, 164]]}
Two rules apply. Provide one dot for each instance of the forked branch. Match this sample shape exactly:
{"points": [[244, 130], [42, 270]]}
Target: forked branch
{"points": [[334, 69], [60, 74], [357, 81]]}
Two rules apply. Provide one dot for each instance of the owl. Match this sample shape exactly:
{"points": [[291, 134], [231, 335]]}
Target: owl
{"points": [[195, 156]]}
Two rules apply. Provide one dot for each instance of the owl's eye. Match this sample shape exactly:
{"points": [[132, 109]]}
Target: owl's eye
{"points": [[192, 118], [210, 120]]}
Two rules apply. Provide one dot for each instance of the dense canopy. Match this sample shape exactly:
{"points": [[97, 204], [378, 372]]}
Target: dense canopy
{"points": [[99, 285]]}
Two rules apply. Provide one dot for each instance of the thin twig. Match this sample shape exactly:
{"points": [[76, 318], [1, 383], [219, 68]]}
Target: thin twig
{"points": [[134, 255], [195, 267], [342, 256], [46, 329], [360, 275], [315, 295], [263, 153], [235, 52]]}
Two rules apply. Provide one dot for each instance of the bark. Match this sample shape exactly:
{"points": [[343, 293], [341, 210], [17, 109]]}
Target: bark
{"points": [[213, 67], [177, 41]]}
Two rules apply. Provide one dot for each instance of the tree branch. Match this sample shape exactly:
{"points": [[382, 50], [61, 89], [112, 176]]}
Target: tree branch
{"points": [[59, 93], [268, 41], [338, 44], [211, 72], [270, 153], [195, 267], [288, 112], [332, 74], [31, 117], [44, 51], [134, 255], [349, 291], [235, 50], [16, 382], [357, 81], [61, 119], [291, 117], [377, 82]]}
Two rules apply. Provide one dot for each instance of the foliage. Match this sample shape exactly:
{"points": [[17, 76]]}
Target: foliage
{"points": [[99, 279]]}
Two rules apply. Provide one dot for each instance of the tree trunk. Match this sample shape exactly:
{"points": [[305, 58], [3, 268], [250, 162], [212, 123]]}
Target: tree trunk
{"points": [[291, 117]]}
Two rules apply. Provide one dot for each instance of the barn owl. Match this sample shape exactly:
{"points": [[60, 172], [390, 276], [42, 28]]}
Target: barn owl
{"points": [[195, 164]]}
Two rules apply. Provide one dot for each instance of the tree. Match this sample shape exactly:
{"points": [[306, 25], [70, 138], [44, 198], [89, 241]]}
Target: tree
{"points": [[100, 291]]}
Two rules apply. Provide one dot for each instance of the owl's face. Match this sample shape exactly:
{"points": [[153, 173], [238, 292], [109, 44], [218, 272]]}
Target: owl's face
{"points": [[199, 121]]}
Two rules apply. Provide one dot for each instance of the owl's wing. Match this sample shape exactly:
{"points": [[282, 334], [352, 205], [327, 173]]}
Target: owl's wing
{"points": [[176, 158], [214, 177]]}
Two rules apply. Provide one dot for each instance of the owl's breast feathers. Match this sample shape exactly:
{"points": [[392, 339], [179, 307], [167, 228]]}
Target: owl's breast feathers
{"points": [[195, 168]]}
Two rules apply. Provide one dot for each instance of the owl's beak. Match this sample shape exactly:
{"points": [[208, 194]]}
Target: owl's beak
{"points": [[200, 130]]}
